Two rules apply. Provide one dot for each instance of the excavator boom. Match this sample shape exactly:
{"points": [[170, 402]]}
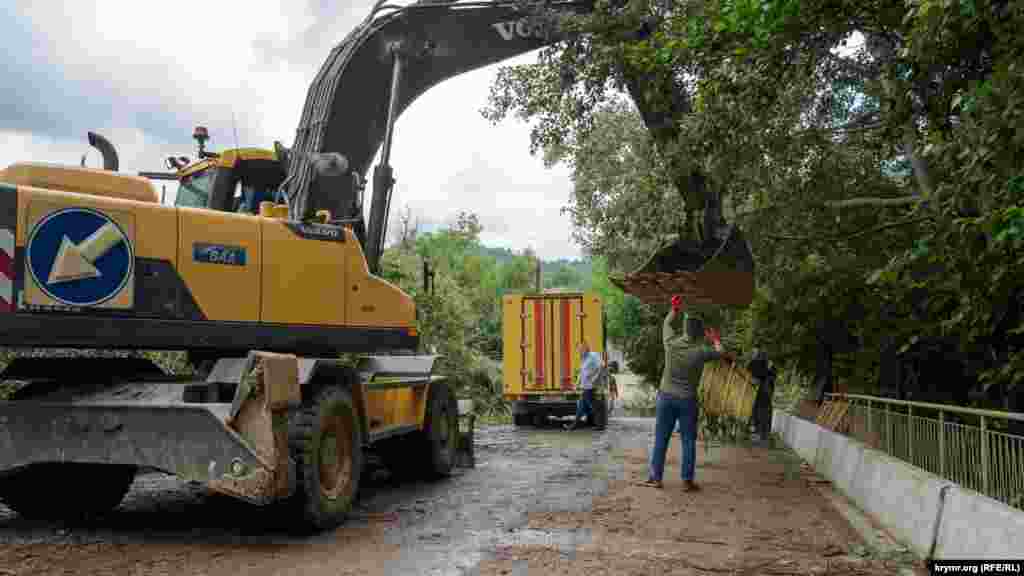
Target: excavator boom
{"points": [[399, 52]]}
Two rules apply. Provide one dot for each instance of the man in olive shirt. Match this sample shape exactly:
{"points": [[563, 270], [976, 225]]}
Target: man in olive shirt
{"points": [[685, 356]]}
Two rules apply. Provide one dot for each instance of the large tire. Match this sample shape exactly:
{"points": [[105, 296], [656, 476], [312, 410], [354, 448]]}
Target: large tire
{"points": [[441, 430], [521, 419], [326, 444], [66, 490], [431, 452]]}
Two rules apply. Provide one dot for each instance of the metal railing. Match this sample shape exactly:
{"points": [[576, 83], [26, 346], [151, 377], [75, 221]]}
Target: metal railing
{"points": [[969, 446]]}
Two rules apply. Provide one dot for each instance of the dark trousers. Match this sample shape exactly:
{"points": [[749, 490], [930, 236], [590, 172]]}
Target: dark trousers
{"points": [[669, 411], [762, 412], [585, 407]]}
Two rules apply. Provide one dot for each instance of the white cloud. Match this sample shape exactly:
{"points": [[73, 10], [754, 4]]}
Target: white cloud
{"points": [[449, 158], [204, 62]]}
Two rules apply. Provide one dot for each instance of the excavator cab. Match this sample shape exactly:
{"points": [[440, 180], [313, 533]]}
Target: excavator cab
{"points": [[234, 181]]}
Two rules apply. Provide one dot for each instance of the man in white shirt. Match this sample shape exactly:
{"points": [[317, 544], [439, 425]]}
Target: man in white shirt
{"points": [[590, 370]]}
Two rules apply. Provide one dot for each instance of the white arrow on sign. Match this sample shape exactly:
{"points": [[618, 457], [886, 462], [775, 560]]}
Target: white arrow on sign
{"points": [[76, 261]]}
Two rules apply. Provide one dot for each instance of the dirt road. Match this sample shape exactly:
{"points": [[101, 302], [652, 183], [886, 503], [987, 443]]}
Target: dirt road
{"points": [[538, 502]]}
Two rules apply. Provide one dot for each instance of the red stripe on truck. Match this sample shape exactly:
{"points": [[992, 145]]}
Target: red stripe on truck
{"points": [[538, 324], [566, 345]]}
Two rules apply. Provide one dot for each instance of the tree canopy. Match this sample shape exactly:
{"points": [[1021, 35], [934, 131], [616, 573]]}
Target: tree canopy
{"points": [[871, 151]]}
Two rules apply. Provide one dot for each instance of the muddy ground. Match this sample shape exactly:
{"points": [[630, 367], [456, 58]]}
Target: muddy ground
{"points": [[538, 502]]}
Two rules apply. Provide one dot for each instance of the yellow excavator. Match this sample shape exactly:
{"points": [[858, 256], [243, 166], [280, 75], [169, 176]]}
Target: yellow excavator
{"points": [[264, 271]]}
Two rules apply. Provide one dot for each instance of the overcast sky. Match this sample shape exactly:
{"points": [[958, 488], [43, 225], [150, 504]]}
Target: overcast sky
{"points": [[143, 74]]}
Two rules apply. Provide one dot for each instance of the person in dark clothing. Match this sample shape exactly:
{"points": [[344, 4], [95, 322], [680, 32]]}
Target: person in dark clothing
{"points": [[766, 405], [764, 375]]}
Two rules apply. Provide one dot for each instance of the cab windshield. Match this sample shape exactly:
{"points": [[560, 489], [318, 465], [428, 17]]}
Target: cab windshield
{"points": [[194, 189]]}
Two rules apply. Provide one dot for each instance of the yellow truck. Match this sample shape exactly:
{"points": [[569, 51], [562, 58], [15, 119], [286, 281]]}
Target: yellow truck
{"points": [[541, 363]]}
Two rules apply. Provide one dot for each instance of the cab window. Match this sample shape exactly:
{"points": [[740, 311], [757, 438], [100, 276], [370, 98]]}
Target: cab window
{"points": [[248, 196], [194, 189]]}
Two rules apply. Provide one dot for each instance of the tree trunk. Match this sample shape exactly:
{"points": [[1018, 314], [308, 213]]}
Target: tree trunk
{"points": [[823, 372], [890, 370]]}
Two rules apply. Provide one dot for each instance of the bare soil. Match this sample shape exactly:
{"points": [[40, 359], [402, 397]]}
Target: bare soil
{"points": [[759, 512]]}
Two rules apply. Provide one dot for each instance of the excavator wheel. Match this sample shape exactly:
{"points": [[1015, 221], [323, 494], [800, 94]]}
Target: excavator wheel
{"points": [[52, 491], [326, 444], [431, 452], [441, 430]]}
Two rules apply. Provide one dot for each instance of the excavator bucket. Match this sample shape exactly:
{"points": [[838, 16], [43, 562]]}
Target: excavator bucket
{"points": [[717, 271]]}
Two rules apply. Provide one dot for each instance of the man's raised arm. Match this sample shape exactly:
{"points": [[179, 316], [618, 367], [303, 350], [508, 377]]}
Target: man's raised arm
{"points": [[667, 333]]}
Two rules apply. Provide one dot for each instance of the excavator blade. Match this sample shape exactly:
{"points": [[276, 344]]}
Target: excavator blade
{"points": [[718, 271]]}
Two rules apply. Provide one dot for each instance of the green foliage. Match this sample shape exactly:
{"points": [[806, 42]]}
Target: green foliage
{"points": [[565, 277], [790, 388], [643, 402]]}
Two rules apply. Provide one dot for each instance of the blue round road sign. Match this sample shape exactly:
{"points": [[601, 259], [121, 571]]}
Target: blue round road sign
{"points": [[79, 257]]}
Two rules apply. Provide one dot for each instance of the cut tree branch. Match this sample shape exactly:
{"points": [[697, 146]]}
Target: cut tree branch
{"points": [[848, 203], [882, 48], [881, 228], [856, 202], [869, 121]]}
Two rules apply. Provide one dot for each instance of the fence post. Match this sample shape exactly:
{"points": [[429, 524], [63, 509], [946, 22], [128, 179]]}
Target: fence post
{"points": [[984, 456], [942, 444], [868, 436], [888, 430], [910, 433]]}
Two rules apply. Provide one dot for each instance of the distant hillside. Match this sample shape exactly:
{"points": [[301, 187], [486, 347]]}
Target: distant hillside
{"points": [[574, 274], [561, 273], [502, 255]]}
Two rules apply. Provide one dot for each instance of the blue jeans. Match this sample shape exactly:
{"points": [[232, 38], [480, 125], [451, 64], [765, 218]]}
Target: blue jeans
{"points": [[669, 410], [586, 405]]}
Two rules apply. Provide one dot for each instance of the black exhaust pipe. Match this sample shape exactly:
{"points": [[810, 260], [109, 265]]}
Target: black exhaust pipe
{"points": [[106, 149]]}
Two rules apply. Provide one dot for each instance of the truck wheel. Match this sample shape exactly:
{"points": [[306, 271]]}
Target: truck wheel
{"points": [[327, 449], [441, 429], [521, 419], [66, 490]]}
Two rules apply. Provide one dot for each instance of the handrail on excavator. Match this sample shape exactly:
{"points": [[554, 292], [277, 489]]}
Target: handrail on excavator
{"points": [[381, 6]]}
